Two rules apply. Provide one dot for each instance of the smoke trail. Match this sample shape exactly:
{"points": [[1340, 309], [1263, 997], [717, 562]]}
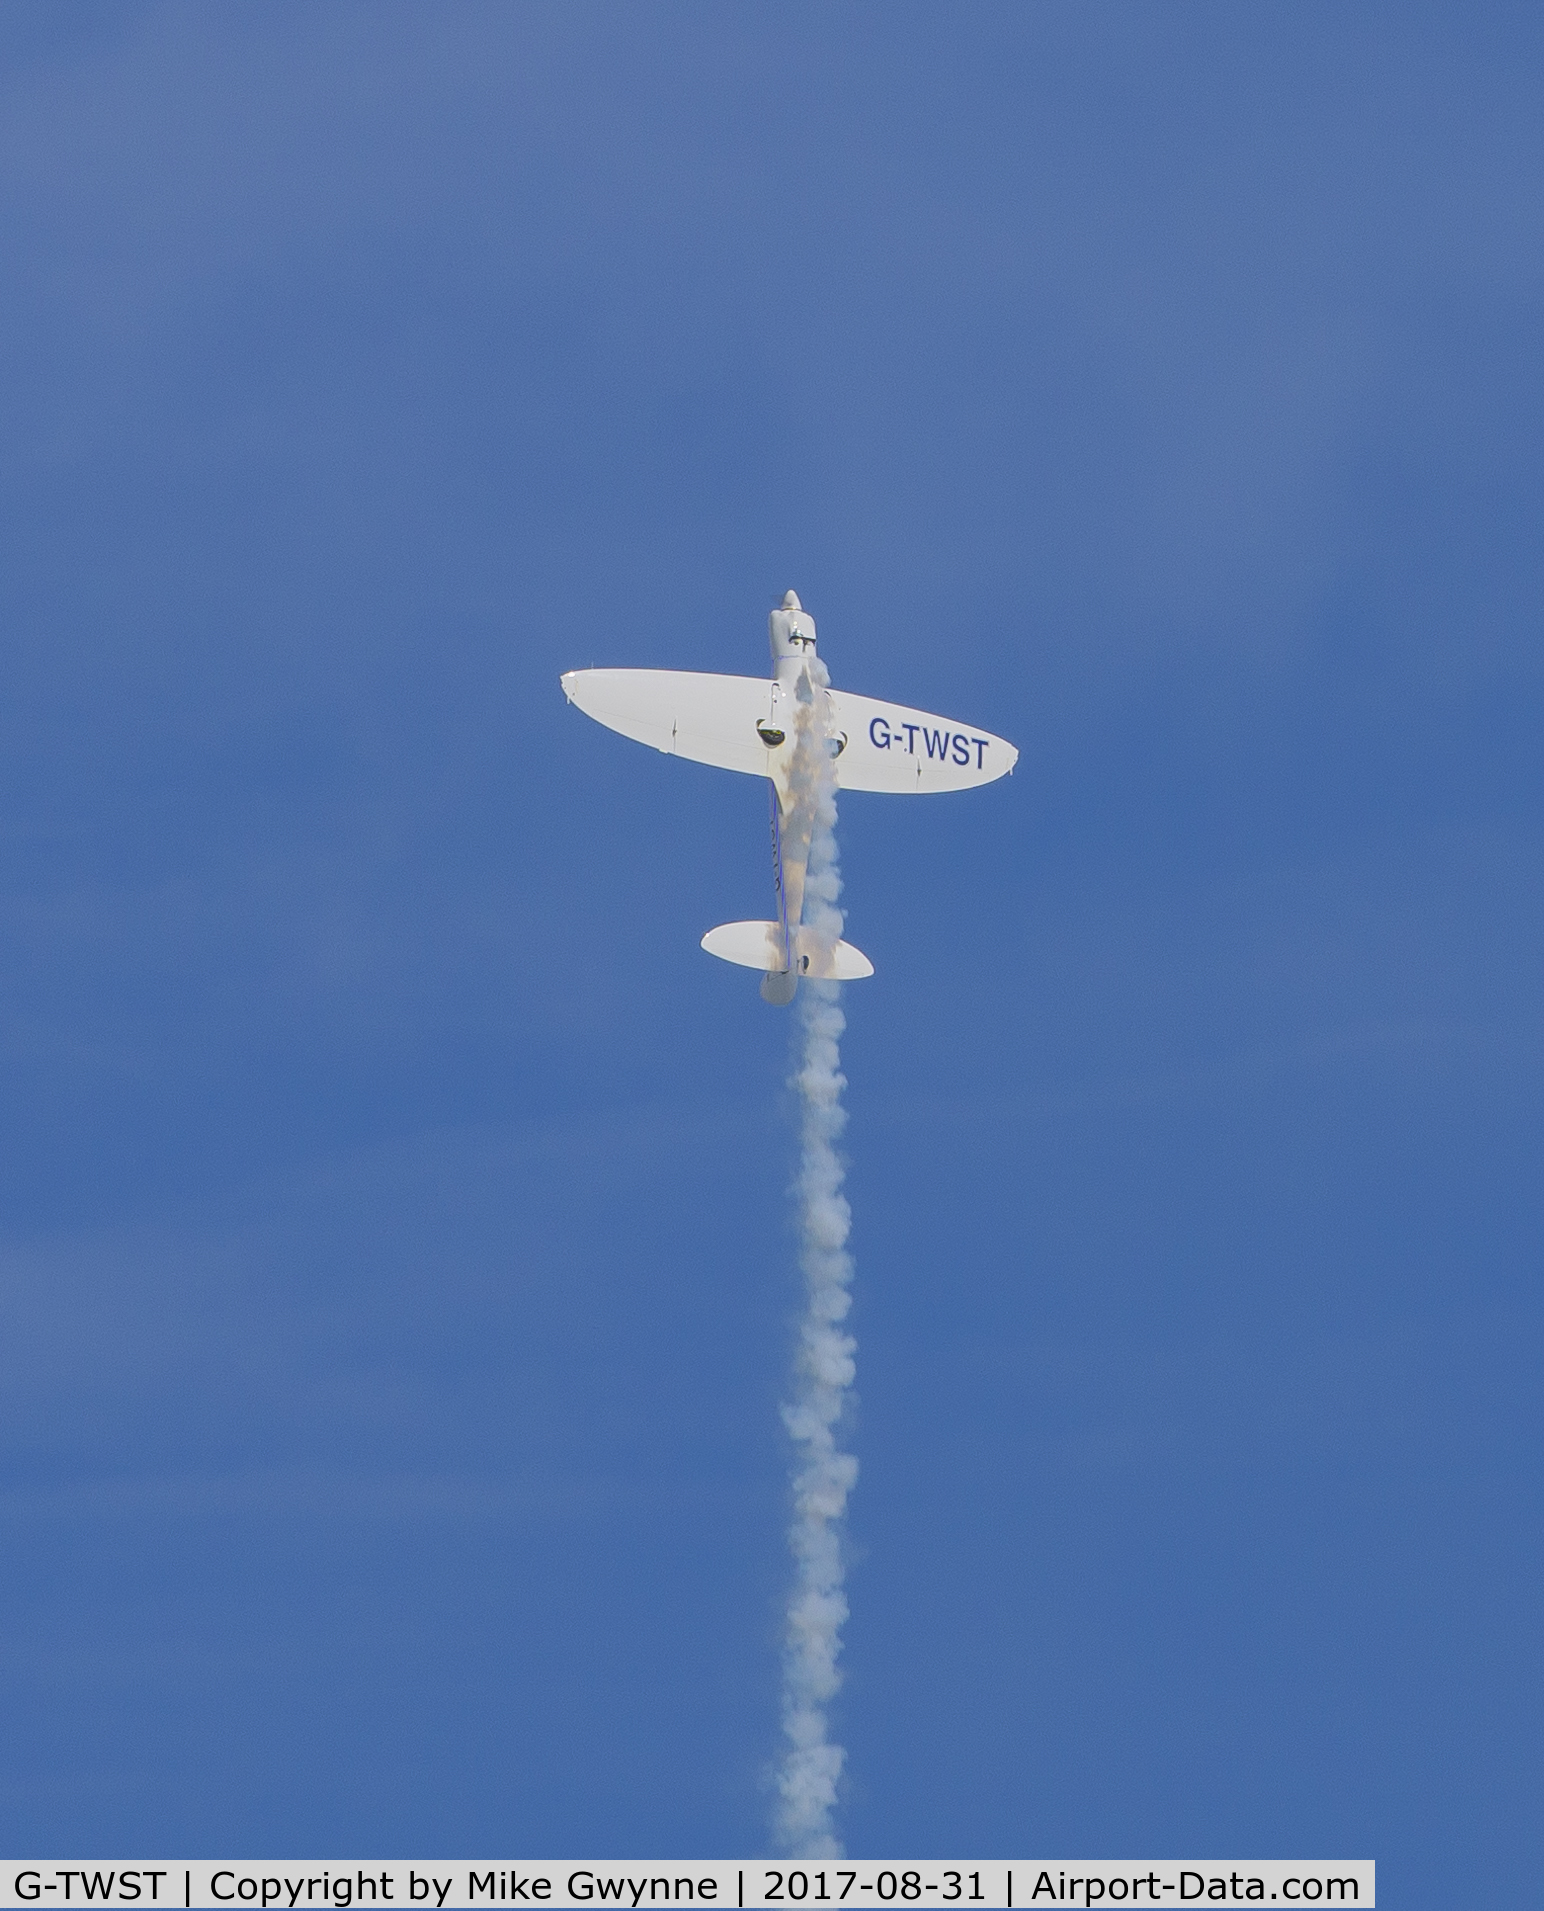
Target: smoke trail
{"points": [[824, 1368]]}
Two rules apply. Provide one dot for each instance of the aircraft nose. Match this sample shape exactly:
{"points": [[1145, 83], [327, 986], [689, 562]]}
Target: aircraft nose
{"points": [[791, 601]]}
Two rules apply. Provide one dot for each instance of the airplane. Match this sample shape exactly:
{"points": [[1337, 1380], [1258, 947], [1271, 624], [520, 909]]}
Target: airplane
{"points": [[752, 724]]}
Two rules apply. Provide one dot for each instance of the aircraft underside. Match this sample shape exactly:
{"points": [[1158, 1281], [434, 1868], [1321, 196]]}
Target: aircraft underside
{"points": [[755, 726]]}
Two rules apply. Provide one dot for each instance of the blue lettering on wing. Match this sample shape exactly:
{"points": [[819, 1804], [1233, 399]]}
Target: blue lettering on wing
{"points": [[962, 752], [879, 733], [937, 742], [982, 746]]}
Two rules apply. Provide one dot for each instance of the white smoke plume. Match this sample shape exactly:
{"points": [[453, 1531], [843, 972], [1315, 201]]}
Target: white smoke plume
{"points": [[824, 1368]]}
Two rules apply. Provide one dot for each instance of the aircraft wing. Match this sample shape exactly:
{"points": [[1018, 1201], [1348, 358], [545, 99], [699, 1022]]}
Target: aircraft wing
{"points": [[682, 712], [746, 723], [910, 753]]}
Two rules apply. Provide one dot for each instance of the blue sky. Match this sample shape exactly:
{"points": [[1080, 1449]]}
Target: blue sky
{"points": [[395, 1267]]}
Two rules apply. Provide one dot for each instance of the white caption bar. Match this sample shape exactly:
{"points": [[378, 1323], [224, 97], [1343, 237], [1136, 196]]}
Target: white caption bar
{"points": [[446, 1885]]}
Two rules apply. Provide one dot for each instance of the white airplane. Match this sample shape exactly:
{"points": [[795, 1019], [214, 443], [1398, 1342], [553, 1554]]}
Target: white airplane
{"points": [[749, 723]]}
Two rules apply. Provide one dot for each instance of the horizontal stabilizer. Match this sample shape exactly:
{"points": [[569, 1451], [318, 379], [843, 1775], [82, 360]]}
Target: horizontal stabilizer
{"points": [[759, 945]]}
